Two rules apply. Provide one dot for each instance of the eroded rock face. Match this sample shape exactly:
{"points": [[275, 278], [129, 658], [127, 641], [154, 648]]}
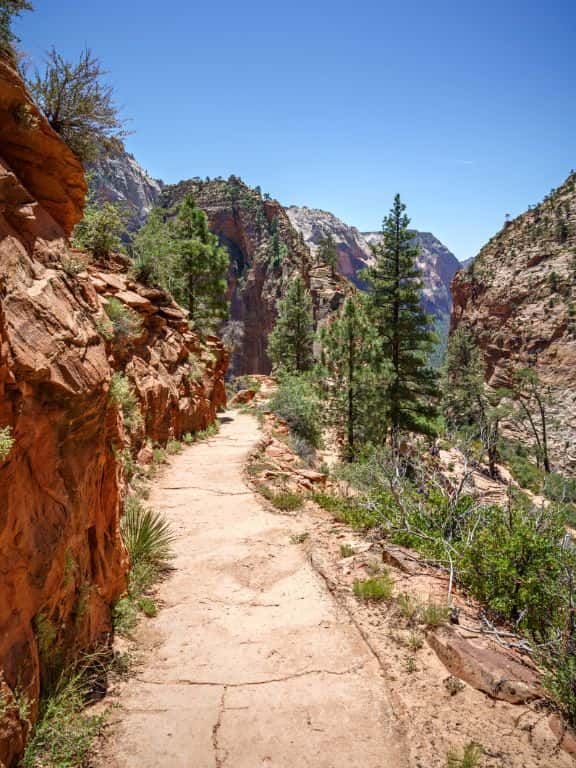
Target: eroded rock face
{"points": [[261, 262], [63, 564], [120, 179], [51, 174], [519, 299]]}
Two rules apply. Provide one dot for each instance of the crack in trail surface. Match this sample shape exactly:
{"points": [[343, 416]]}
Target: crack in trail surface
{"points": [[219, 761], [249, 683]]}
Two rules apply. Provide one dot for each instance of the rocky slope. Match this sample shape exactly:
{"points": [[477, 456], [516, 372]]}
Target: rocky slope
{"points": [[61, 482], [119, 179], [519, 299], [265, 252], [437, 263]]}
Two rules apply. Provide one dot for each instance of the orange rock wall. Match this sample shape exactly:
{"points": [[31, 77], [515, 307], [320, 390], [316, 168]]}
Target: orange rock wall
{"points": [[62, 561]]}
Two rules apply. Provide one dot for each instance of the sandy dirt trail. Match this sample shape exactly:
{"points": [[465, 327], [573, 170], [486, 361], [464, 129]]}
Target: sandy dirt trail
{"points": [[250, 662]]}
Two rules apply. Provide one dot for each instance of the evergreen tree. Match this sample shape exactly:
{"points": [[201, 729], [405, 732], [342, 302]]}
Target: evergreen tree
{"points": [[349, 346], [9, 9], [290, 343], [200, 266], [468, 404], [78, 105], [328, 252], [463, 385], [184, 257], [405, 336]]}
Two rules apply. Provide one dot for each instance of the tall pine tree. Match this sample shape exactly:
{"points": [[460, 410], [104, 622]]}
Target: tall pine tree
{"points": [[290, 344], [406, 339], [200, 266], [349, 346]]}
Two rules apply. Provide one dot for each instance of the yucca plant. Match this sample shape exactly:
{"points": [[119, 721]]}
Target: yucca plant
{"points": [[147, 535]]}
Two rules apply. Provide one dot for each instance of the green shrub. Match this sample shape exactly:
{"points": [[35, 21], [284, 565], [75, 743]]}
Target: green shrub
{"points": [[560, 488], [173, 447], [297, 402], [99, 231], [514, 566], [346, 550], [303, 448], [123, 394], [378, 588], [6, 442], [124, 321], [560, 681]]}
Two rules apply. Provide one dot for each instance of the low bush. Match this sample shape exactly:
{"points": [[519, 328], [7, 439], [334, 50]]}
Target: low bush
{"points": [[124, 321], [377, 588], [297, 402], [284, 500]]}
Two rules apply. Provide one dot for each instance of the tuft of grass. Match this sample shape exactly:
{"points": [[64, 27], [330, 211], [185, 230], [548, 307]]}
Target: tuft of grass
{"points": [[188, 438], [376, 588], [299, 538], [347, 551], [414, 642], [469, 757], [408, 606], [64, 733], [410, 665], [158, 455], [148, 606], [433, 614], [6, 442], [173, 447]]}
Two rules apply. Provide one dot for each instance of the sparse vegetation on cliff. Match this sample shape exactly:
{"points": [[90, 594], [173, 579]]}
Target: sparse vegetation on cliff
{"points": [[9, 10], [78, 104]]}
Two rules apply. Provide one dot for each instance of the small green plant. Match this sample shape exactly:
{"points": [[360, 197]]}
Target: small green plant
{"points": [[284, 500], [173, 447], [299, 538], [410, 665], [6, 442], [433, 614], [188, 438], [148, 606], [469, 757], [146, 534], [414, 641], [124, 321], [158, 455], [346, 550], [408, 606], [63, 734], [74, 263], [123, 394], [453, 685], [377, 588]]}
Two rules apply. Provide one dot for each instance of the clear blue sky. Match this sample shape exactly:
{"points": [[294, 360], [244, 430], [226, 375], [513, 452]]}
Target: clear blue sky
{"points": [[468, 109]]}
